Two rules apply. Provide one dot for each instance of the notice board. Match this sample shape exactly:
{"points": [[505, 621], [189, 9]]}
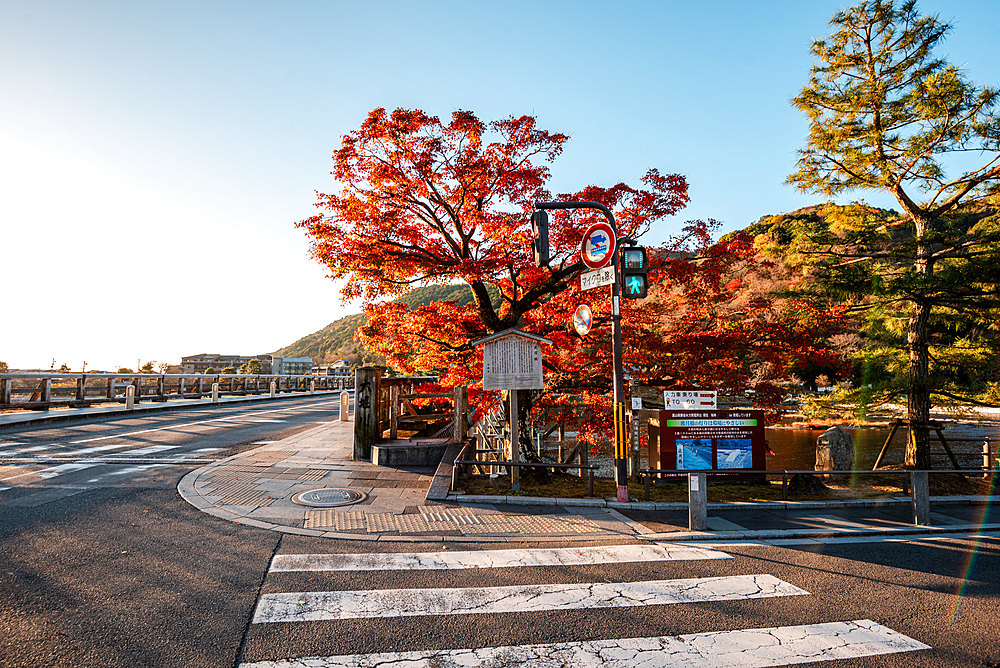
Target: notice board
{"points": [[698, 440]]}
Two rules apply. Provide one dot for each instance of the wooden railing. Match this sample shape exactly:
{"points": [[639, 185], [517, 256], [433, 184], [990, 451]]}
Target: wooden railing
{"points": [[42, 391]]}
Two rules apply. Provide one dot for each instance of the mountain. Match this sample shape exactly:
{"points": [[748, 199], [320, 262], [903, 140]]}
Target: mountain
{"points": [[336, 340]]}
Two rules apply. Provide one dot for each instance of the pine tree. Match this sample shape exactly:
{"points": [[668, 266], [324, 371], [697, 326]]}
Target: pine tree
{"points": [[887, 115]]}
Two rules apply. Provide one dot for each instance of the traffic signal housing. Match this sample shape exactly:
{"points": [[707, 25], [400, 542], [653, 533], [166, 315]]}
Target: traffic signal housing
{"points": [[635, 274], [540, 237]]}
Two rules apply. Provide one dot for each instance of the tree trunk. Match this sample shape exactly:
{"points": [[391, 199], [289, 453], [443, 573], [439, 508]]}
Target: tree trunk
{"points": [[918, 400]]}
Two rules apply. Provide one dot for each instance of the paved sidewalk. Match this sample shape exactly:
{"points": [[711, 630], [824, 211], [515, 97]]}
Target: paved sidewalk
{"points": [[257, 488]]}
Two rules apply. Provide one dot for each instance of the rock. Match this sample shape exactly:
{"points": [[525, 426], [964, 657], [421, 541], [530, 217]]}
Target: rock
{"points": [[806, 483], [835, 450]]}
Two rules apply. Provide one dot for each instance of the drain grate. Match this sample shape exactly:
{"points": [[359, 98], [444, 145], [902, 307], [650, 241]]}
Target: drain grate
{"points": [[328, 497]]}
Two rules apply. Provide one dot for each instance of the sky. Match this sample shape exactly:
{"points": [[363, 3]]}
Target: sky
{"points": [[155, 156]]}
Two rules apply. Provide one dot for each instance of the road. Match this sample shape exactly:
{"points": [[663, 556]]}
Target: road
{"points": [[107, 566]]}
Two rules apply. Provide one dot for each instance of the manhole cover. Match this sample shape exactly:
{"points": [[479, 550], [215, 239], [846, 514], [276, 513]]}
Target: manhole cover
{"points": [[325, 498]]}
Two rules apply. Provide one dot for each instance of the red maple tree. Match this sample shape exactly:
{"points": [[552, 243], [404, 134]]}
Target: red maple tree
{"points": [[422, 201]]}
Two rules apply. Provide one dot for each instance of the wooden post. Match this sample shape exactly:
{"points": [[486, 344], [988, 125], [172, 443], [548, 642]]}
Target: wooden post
{"points": [[697, 502], [937, 427], [130, 397], [921, 498], [111, 388], [515, 477], [81, 388], [180, 387], [201, 386], [161, 387], [885, 446], [215, 393], [366, 409], [6, 386], [137, 384], [393, 411], [47, 390], [461, 428]]}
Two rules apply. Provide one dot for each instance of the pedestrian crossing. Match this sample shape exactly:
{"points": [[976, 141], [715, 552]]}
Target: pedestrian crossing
{"points": [[662, 599]]}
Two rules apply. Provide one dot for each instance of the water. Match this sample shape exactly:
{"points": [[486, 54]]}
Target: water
{"points": [[795, 449]]}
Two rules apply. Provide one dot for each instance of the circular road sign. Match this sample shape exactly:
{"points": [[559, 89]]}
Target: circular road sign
{"points": [[598, 245], [583, 319]]}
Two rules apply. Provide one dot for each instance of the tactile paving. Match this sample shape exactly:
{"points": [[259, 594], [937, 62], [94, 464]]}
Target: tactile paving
{"points": [[247, 498], [314, 474], [381, 522]]}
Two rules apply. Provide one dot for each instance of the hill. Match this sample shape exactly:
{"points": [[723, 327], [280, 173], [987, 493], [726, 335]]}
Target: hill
{"points": [[336, 340]]}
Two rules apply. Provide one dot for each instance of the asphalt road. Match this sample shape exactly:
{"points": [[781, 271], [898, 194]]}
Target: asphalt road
{"points": [[909, 587], [107, 566]]}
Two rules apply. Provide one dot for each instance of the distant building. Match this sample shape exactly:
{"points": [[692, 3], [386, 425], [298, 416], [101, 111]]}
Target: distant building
{"points": [[269, 364], [340, 369]]}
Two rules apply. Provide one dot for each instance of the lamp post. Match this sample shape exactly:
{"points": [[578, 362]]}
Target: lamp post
{"points": [[621, 454]]}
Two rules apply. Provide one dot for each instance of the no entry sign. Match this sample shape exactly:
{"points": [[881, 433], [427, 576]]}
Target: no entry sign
{"points": [[598, 245], [583, 319]]}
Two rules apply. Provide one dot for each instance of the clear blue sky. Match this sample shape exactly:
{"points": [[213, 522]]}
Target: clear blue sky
{"points": [[156, 155]]}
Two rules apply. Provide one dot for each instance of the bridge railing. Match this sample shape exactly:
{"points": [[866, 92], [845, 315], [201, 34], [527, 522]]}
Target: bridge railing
{"points": [[42, 391]]}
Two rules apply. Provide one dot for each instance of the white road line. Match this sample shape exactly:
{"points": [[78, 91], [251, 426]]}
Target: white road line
{"points": [[263, 442], [747, 648], [127, 471], [151, 450], [317, 606], [607, 554], [207, 450], [175, 426], [56, 471]]}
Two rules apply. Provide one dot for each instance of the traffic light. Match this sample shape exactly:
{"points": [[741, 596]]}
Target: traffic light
{"points": [[540, 234], [635, 283]]}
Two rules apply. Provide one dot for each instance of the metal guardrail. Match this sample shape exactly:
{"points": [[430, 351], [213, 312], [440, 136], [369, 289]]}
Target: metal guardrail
{"points": [[916, 484], [42, 391]]}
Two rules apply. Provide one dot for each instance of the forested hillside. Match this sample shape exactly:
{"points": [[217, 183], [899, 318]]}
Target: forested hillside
{"points": [[336, 340]]}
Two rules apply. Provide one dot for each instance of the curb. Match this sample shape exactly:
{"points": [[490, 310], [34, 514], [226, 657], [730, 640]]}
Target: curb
{"points": [[778, 534], [465, 499]]}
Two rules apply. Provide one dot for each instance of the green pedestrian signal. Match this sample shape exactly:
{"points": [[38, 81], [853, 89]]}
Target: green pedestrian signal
{"points": [[634, 272], [635, 286]]}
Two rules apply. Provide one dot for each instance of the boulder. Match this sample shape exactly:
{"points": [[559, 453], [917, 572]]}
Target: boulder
{"points": [[805, 483], [835, 450]]}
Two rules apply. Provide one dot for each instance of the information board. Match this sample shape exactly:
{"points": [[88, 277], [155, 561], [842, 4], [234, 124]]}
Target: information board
{"points": [[512, 363], [692, 440]]}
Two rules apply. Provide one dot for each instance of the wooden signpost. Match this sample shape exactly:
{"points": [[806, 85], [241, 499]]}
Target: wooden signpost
{"points": [[512, 360]]}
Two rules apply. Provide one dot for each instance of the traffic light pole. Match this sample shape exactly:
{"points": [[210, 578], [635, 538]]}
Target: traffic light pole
{"points": [[621, 452]]}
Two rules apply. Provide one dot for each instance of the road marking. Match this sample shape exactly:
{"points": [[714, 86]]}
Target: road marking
{"points": [[490, 558], [153, 449], [381, 603], [747, 648], [127, 471], [56, 471], [263, 442], [177, 426]]}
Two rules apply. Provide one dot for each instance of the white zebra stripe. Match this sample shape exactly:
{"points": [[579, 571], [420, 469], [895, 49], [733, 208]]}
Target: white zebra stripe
{"points": [[748, 648], [317, 606], [572, 556]]}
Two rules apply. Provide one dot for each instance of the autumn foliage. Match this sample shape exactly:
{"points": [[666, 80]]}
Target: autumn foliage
{"points": [[421, 201]]}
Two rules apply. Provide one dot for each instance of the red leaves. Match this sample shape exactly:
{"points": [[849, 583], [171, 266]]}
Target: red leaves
{"points": [[421, 201]]}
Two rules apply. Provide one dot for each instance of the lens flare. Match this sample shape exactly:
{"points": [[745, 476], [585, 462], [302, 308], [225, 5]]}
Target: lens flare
{"points": [[973, 553]]}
